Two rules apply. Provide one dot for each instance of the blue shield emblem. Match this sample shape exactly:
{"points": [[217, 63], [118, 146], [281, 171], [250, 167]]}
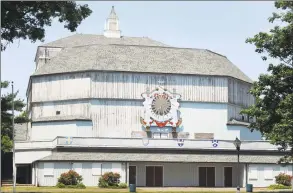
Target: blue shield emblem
{"points": [[68, 140], [215, 143], [180, 142]]}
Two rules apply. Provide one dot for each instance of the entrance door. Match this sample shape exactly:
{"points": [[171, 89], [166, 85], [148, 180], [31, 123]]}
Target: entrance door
{"points": [[228, 176], [206, 176], [132, 175], [154, 176]]}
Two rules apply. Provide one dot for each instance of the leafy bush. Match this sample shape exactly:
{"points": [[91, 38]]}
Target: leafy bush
{"points": [[122, 185], [278, 186], [103, 183], [80, 186], [60, 185], [70, 178], [283, 179], [109, 179]]}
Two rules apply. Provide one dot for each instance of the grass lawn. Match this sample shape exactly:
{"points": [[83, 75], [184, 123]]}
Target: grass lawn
{"points": [[99, 190]]}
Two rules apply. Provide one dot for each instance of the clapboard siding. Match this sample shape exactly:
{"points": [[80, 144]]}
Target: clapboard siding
{"points": [[115, 118], [234, 113], [66, 108], [132, 85], [61, 87], [239, 93], [118, 85]]}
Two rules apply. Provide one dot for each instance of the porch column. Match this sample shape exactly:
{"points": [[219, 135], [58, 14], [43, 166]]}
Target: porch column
{"points": [[127, 173], [33, 174]]}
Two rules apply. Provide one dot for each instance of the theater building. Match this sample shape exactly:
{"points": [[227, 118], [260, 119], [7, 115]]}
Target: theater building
{"points": [[150, 111]]}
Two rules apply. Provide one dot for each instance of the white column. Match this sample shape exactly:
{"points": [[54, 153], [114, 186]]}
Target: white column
{"points": [[33, 174], [127, 173]]}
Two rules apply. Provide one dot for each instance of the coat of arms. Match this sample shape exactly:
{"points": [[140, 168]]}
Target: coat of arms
{"points": [[161, 108]]}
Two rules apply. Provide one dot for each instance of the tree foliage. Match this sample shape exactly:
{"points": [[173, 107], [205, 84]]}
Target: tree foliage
{"points": [[27, 19], [273, 91], [6, 116]]}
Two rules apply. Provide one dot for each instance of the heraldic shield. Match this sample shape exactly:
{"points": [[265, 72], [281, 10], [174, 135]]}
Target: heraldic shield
{"points": [[180, 142]]}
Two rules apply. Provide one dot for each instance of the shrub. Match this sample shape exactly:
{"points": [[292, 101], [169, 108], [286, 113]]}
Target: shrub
{"points": [[283, 179], [109, 179], [60, 185], [278, 186], [80, 186], [70, 178], [122, 185], [103, 183]]}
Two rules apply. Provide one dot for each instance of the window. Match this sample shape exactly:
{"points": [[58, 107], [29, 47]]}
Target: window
{"points": [[160, 135], [96, 169], [106, 167], [58, 112], [48, 169], [77, 167], [268, 173], [116, 167], [253, 173]]}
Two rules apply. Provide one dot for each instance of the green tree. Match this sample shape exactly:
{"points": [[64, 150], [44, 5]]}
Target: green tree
{"points": [[6, 116], [273, 110], [27, 19]]}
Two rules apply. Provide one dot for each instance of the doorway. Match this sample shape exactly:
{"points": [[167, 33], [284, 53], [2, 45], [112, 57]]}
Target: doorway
{"points": [[24, 174], [132, 175], [206, 176], [228, 176], [154, 176]]}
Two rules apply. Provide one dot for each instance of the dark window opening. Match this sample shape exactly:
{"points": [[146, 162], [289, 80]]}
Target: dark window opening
{"points": [[57, 112]]}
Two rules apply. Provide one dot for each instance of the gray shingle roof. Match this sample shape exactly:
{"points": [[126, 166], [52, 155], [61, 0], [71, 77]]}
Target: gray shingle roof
{"points": [[90, 39], [159, 157], [141, 58]]}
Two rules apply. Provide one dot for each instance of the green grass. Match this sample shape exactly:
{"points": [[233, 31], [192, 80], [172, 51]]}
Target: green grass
{"points": [[101, 190]]}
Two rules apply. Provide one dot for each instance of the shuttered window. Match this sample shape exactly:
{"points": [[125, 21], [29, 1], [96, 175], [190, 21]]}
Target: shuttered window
{"points": [[96, 169], [253, 173], [48, 169], [268, 173]]}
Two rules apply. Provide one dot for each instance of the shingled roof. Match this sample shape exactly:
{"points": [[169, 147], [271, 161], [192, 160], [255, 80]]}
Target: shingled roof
{"points": [[90, 39], [95, 52]]}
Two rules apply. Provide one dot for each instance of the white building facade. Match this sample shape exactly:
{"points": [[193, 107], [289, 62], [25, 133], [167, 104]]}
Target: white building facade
{"points": [[152, 112]]}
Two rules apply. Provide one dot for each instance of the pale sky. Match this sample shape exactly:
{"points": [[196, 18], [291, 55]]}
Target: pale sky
{"points": [[218, 26]]}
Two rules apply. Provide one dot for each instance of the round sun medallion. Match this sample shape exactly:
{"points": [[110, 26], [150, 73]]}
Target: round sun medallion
{"points": [[161, 104]]}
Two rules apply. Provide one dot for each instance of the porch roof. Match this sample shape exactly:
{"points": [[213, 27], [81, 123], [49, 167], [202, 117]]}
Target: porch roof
{"points": [[159, 157]]}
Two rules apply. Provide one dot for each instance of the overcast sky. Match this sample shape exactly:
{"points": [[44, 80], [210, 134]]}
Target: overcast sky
{"points": [[218, 26]]}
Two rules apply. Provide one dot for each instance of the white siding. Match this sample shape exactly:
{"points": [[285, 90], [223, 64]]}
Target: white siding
{"points": [[187, 173], [28, 157], [239, 93], [132, 85], [116, 118], [50, 130], [48, 109], [86, 171], [58, 87], [126, 86], [263, 175]]}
